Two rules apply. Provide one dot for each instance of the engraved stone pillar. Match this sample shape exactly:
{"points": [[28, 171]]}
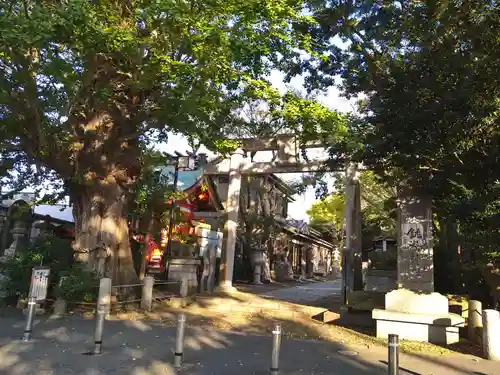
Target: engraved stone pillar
{"points": [[415, 244]]}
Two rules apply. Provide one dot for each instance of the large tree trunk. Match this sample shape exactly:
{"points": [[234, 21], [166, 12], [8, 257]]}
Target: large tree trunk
{"points": [[100, 213]]}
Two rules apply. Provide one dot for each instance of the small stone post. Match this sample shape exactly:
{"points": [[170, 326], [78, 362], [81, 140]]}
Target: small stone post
{"points": [[147, 293], [491, 338], [184, 289], [474, 320], [60, 307]]}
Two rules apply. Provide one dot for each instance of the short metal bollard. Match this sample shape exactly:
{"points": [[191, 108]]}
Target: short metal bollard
{"points": [[393, 354], [179, 341], [29, 319], [275, 354], [99, 328]]}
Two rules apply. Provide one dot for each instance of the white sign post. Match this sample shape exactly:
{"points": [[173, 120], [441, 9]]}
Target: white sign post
{"points": [[39, 283]]}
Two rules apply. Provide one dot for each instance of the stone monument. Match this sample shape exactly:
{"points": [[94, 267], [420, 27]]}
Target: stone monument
{"points": [[415, 244], [414, 311]]}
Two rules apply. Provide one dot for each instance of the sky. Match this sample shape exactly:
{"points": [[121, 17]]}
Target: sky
{"points": [[298, 209]]}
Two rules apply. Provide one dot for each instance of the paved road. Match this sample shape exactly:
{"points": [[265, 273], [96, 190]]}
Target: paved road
{"points": [[309, 292], [137, 348]]}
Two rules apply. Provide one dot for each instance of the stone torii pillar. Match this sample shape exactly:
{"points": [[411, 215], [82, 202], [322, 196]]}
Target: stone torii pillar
{"points": [[351, 254], [232, 209]]}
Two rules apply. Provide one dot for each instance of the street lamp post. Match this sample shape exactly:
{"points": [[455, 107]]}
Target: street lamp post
{"points": [[180, 162], [172, 213]]}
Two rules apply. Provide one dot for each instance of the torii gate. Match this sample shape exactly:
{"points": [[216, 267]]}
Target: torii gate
{"points": [[287, 161]]}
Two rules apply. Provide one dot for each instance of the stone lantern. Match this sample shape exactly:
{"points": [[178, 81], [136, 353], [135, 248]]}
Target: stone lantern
{"points": [[257, 260], [18, 234]]}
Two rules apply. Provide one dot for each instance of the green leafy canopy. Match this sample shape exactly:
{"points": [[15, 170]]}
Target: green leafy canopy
{"points": [[81, 82], [430, 73]]}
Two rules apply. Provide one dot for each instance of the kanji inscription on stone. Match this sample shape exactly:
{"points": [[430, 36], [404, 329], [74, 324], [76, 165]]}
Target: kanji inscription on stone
{"points": [[415, 255]]}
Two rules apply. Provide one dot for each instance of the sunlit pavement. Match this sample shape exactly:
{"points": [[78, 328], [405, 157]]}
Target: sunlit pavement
{"points": [[134, 347], [308, 292]]}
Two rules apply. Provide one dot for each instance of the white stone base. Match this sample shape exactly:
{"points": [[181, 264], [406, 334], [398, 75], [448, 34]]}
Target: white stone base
{"points": [[436, 329]]}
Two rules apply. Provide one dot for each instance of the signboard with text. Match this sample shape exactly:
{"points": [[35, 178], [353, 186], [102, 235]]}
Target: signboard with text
{"points": [[39, 283]]}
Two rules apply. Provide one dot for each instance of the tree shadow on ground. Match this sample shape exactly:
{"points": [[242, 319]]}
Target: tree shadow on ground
{"points": [[144, 346], [359, 326], [228, 334], [137, 347]]}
